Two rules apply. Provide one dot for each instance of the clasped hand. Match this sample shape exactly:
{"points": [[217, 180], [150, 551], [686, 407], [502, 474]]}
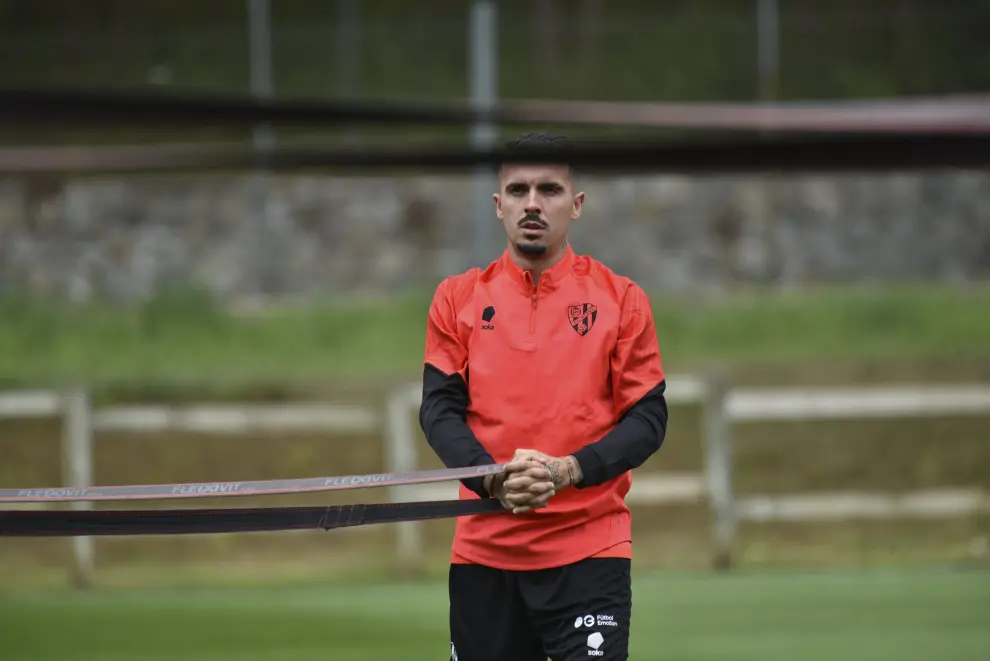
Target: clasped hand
{"points": [[531, 479]]}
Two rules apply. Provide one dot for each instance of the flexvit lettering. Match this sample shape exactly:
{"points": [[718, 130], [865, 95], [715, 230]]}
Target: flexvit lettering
{"points": [[358, 479], [52, 493], [216, 487]]}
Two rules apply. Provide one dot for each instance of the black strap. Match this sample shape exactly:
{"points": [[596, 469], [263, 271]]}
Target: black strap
{"points": [[209, 521]]}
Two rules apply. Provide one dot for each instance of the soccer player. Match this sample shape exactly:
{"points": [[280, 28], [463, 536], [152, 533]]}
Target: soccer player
{"points": [[546, 361]]}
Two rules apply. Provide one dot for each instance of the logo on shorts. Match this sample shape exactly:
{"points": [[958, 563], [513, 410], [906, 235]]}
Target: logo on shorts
{"points": [[582, 317], [453, 652], [595, 641], [587, 620], [606, 621]]}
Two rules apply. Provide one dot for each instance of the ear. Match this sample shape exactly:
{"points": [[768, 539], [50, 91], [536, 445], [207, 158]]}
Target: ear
{"points": [[577, 206], [498, 205]]}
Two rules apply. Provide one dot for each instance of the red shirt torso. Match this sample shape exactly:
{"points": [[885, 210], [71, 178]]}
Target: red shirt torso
{"points": [[552, 368]]}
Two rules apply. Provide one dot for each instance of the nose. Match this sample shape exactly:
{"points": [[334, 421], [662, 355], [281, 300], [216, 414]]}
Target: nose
{"points": [[533, 203]]}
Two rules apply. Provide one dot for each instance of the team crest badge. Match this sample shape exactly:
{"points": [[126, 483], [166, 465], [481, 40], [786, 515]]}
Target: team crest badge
{"points": [[582, 317]]}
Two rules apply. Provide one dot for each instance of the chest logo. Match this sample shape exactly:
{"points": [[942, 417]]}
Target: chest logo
{"points": [[486, 316], [582, 317]]}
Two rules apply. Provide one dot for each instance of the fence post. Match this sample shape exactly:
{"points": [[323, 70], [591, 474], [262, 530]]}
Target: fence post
{"points": [[77, 467], [718, 468], [400, 452]]}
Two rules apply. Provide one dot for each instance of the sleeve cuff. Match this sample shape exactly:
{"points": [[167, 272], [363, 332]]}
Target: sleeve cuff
{"points": [[477, 484], [592, 468]]}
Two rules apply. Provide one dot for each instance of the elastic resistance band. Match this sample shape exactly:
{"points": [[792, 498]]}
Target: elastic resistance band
{"points": [[211, 521], [252, 488]]}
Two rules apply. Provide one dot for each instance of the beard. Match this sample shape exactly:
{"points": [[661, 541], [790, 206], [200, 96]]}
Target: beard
{"points": [[531, 249]]}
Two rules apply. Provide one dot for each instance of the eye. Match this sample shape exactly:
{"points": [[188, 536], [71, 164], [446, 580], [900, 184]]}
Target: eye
{"points": [[551, 188], [516, 189]]}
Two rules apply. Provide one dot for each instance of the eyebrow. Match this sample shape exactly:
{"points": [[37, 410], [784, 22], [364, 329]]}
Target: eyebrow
{"points": [[544, 185]]}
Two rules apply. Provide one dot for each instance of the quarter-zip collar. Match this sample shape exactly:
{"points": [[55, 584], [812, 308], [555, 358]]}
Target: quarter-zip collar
{"points": [[550, 278]]}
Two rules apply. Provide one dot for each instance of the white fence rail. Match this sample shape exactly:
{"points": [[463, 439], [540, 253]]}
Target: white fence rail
{"points": [[80, 422], [722, 409]]}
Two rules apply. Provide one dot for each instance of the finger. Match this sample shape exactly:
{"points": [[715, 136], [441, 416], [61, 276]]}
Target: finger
{"points": [[517, 484], [528, 500], [527, 485], [542, 495], [521, 465], [514, 504], [515, 488], [519, 499], [530, 468], [532, 455], [539, 488], [523, 480], [543, 499]]}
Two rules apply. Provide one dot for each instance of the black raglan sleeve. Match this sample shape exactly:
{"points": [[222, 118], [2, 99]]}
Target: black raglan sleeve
{"points": [[443, 411], [638, 388], [442, 415], [637, 436]]}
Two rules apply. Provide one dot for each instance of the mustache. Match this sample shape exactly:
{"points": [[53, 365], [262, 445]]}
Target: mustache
{"points": [[532, 218]]}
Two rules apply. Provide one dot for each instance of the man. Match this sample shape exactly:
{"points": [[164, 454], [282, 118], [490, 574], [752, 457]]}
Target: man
{"points": [[546, 361]]}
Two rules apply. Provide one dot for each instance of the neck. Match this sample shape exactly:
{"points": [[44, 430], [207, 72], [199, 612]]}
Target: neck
{"points": [[537, 264]]}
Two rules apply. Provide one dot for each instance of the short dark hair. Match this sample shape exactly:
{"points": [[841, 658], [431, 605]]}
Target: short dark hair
{"points": [[539, 141]]}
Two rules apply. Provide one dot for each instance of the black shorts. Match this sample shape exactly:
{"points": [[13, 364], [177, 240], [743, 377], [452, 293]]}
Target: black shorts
{"points": [[580, 611]]}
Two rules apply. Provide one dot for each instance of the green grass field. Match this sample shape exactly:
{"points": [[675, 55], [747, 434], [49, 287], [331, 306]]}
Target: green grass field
{"points": [[887, 616], [182, 341]]}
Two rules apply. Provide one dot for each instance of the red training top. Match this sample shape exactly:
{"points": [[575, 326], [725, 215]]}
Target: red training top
{"points": [[554, 368]]}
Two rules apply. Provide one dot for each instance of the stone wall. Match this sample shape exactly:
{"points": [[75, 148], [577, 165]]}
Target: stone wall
{"points": [[299, 235]]}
